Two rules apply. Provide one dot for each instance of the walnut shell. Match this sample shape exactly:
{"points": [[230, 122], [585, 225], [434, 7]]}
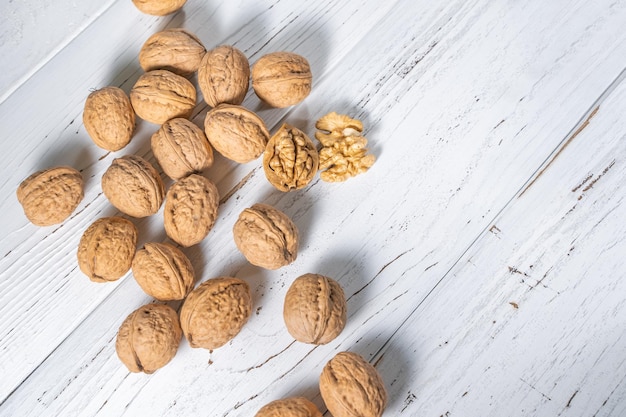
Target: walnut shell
{"points": [[106, 249], [266, 236], [133, 186], [160, 95], [224, 76], [190, 210], [181, 148], [163, 271], [282, 79], [290, 160], [352, 387], [109, 118], [315, 309], [49, 197], [148, 339], [236, 132], [176, 50], [215, 312], [289, 407], [159, 7]]}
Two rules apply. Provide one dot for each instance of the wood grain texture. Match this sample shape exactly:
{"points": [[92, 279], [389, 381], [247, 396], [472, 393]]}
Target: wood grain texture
{"points": [[480, 256]]}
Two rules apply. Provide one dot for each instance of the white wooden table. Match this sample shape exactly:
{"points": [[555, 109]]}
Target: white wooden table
{"points": [[482, 256]]}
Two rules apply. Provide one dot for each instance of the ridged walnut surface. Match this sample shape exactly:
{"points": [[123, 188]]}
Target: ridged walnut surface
{"points": [[149, 338], [190, 209], [159, 7], [266, 236], [163, 271], [176, 50], [133, 186], [236, 132], [215, 312], [315, 309], [181, 148], [49, 197], [224, 76], [352, 387], [106, 249], [160, 95], [109, 118], [289, 407], [282, 79]]}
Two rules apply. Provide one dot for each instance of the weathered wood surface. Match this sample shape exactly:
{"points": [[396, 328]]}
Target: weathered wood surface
{"points": [[482, 256]]}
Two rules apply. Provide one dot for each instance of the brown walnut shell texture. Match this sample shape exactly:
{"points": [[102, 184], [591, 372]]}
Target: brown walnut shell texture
{"points": [[236, 132], [315, 309], [176, 50], [215, 312], [290, 161], [224, 76], [163, 271], [149, 338], [266, 236], [133, 186], [181, 148], [50, 196], [106, 249], [159, 7], [160, 95], [190, 209], [289, 407], [109, 118], [282, 79], [352, 387]]}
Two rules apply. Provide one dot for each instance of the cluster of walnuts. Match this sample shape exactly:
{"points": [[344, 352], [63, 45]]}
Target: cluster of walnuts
{"points": [[215, 311]]}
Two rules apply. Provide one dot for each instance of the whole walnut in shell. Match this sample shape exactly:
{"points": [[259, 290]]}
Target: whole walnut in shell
{"points": [[282, 79], [176, 50], [181, 148], [289, 407], [106, 249], [148, 339], [224, 76], [315, 309], [352, 387], [159, 7], [49, 197], [266, 236], [160, 95], [190, 209], [215, 312], [163, 271], [290, 160], [133, 186], [236, 132], [109, 118]]}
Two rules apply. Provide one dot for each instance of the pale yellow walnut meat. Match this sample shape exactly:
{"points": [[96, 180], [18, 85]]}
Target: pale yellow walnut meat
{"points": [[109, 118], [159, 7], [224, 76], [176, 50], [289, 407]]}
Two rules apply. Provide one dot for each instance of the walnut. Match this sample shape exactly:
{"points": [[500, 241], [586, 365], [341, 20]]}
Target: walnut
{"points": [[190, 209], [343, 153], [224, 76], [133, 186], [106, 249], [266, 236], [290, 160], [49, 197], [163, 271], [176, 50], [160, 95], [315, 309], [289, 407], [236, 132], [352, 387], [215, 312], [109, 118], [281, 79], [148, 339], [181, 148], [159, 7]]}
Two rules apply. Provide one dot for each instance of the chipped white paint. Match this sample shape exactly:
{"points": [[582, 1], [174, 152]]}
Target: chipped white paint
{"points": [[482, 255]]}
